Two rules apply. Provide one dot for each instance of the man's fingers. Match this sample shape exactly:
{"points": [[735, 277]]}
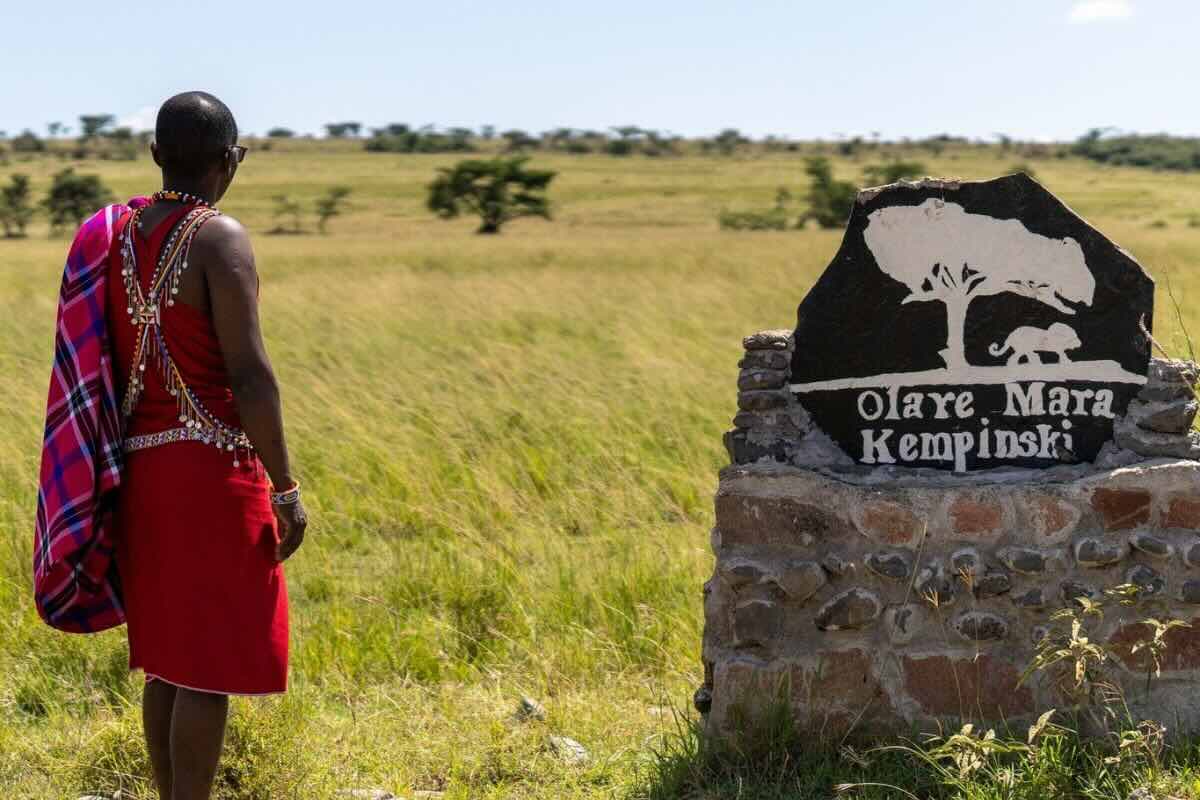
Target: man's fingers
{"points": [[290, 545], [293, 536]]}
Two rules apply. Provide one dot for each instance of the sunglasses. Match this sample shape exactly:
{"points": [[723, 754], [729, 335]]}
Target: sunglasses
{"points": [[239, 152]]}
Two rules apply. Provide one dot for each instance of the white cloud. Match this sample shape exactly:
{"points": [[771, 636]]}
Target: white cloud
{"points": [[140, 120], [1096, 10]]}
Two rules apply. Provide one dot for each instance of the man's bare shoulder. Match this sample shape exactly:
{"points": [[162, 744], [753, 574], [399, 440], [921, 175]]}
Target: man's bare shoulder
{"points": [[222, 242]]}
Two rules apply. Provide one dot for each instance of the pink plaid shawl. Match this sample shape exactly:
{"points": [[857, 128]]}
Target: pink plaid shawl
{"points": [[76, 586]]}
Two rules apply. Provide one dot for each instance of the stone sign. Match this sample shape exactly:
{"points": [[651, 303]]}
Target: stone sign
{"points": [[971, 325], [961, 326]]}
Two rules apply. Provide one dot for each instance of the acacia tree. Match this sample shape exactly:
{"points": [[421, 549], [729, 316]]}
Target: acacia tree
{"points": [[498, 190], [944, 254], [329, 205], [91, 125]]}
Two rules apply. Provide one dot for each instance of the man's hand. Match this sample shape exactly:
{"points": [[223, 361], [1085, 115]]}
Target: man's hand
{"points": [[292, 522]]}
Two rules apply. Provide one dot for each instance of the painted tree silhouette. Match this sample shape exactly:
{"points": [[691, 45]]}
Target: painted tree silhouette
{"points": [[942, 253]]}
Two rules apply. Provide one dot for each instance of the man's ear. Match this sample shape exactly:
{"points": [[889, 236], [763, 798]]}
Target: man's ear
{"points": [[154, 153]]}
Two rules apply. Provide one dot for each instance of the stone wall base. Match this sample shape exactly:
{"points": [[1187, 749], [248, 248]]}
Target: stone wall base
{"points": [[874, 606]]}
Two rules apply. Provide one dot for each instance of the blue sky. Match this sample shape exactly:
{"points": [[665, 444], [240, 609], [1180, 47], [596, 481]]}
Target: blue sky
{"points": [[1045, 69]]}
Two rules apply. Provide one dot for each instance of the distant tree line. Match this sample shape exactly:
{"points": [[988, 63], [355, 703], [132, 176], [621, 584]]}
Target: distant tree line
{"points": [[1155, 152], [98, 137]]}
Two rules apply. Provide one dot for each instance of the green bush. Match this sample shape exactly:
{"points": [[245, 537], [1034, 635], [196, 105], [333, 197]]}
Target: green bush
{"points": [[1155, 152], [892, 171], [329, 205], [27, 142], [770, 219], [829, 200], [16, 206], [73, 197], [286, 214]]}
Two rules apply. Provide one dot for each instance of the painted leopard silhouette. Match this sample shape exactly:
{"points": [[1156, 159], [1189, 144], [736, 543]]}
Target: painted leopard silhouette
{"points": [[1026, 342]]}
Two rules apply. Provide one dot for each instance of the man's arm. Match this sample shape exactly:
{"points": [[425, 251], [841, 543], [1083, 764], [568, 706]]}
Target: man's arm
{"points": [[222, 249]]}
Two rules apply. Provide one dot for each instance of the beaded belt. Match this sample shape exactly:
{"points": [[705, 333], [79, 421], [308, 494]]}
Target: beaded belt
{"points": [[196, 434]]}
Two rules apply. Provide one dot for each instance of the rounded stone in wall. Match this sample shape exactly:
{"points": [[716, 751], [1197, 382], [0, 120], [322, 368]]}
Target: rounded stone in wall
{"points": [[1191, 553], [1189, 592], [1148, 581], [935, 586], [891, 564], [967, 564], [739, 572], [903, 622], [1091, 551], [836, 565], [993, 583], [1031, 599], [1151, 545], [1028, 560], [980, 626], [849, 610], [800, 580], [756, 622], [1070, 591]]}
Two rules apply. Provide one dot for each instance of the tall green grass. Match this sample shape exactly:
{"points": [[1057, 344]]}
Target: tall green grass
{"points": [[509, 446]]}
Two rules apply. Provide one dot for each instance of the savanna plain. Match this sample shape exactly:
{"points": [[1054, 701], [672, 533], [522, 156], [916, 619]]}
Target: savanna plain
{"points": [[509, 446]]}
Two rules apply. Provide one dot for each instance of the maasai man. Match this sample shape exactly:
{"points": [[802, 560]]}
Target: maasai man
{"points": [[207, 508]]}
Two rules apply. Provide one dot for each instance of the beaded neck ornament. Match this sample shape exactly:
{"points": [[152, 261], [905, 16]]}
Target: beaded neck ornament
{"points": [[145, 313], [180, 197]]}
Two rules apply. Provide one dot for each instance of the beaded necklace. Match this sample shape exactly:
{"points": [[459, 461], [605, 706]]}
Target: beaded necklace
{"points": [[145, 313]]}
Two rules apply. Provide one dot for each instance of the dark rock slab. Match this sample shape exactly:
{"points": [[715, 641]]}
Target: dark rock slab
{"points": [[969, 325]]}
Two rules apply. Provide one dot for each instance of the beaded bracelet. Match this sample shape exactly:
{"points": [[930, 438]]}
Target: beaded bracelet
{"points": [[287, 497]]}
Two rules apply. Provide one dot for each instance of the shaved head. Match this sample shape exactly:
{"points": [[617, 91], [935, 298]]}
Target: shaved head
{"points": [[192, 133]]}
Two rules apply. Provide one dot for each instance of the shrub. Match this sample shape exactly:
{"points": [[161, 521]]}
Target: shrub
{"points": [[770, 219], [829, 200], [27, 142], [498, 190], [73, 197], [620, 147], [16, 206], [766, 219], [281, 133], [892, 171], [287, 215], [329, 205]]}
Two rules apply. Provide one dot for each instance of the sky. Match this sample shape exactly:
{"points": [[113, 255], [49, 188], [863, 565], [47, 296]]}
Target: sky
{"points": [[1031, 69]]}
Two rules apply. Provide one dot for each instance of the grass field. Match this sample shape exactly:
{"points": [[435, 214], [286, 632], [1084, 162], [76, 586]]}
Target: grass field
{"points": [[509, 446]]}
